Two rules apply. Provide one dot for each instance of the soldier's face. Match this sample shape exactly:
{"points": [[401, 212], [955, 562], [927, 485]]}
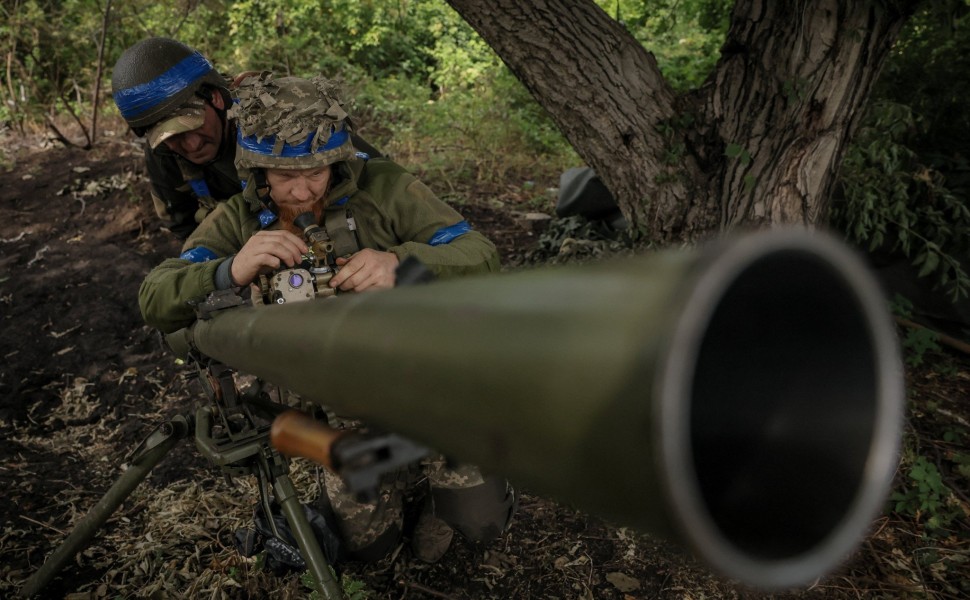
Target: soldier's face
{"points": [[297, 191], [201, 145]]}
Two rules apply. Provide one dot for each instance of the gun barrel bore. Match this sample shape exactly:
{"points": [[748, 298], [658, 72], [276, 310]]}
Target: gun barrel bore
{"points": [[744, 397]]}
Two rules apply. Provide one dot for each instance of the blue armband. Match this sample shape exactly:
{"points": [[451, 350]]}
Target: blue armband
{"points": [[446, 234], [199, 254]]}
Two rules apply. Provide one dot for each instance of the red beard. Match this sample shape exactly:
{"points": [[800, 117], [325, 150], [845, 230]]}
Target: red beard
{"points": [[288, 215]]}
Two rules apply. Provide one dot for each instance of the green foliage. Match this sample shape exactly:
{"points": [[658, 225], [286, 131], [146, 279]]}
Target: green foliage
{"points": [[906, 175], [917, 343], [485, 135], [684, 35], [894, 200], [39, 41], [925, 496], [353, 589], [935, 45], [381, 38], [51, 48]]}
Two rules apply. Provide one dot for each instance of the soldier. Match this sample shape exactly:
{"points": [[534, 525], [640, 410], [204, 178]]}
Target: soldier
{"points": [[295, 151], [172, 95]]}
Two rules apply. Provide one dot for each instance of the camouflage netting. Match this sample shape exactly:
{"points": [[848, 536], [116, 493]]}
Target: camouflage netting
{"points": [[291, 109]]}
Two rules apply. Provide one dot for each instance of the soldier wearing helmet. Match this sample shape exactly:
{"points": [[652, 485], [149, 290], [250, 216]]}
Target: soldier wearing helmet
{"points": [[173, 96], [295, 151]]}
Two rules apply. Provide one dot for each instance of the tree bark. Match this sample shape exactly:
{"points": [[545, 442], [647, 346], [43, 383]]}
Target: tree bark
{"points": [[759, 144], [790, 88]]}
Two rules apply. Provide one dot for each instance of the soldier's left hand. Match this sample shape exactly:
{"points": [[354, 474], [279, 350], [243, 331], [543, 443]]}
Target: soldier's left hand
{"points": [[364, 270]]}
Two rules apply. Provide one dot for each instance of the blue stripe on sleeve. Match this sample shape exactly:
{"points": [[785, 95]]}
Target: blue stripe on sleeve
{"points": [[446, 234], [199, 254]]}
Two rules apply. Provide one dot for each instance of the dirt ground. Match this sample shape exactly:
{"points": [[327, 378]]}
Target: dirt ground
{"points": [[82, 380]]}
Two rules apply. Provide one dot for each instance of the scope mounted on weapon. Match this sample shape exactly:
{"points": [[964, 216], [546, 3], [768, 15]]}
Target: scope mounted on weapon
{"points": [[309, 279]]}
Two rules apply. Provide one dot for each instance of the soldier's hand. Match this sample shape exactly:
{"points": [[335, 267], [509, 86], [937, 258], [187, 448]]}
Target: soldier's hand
{"points": [[364, 270], [266, 251]]}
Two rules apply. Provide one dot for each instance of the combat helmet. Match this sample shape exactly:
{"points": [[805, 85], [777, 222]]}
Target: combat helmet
{"points": [[155, 77]]}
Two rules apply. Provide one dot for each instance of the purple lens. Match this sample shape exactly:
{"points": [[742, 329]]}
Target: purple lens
{"points": [[296, 280]]}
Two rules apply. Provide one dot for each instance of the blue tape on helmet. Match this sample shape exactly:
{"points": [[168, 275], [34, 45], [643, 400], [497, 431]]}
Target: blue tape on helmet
{"points": [[199, 254], [265, 147], [136, 100], [446, 234]]}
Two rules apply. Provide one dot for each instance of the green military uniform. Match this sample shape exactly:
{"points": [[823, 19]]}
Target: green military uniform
{"points": [[179, 189], [392, 210], [161, 87], [295, 124]]}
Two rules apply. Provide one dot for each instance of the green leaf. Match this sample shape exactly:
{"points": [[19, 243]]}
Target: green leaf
{"points": [[932, 260]]}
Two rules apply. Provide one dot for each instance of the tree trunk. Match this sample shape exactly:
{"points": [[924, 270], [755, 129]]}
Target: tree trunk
{"points": [[759, 144], [96, 97]]}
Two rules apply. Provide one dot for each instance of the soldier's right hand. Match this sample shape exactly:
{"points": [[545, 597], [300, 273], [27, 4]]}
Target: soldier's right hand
{"points": [[265, 252]]}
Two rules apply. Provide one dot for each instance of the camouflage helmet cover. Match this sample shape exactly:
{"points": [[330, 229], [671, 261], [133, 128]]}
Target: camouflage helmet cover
{"points": [[156, 76], [289, 123]]}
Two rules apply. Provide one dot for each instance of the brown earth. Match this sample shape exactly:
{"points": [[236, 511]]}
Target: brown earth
{"points": [[83, 380]]}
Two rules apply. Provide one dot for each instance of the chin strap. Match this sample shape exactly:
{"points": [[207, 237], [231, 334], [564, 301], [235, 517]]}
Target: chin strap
{"points": [[262, 190]]}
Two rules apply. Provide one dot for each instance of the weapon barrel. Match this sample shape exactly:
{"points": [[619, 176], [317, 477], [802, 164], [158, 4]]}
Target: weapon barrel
{"points": [[744, 397]]}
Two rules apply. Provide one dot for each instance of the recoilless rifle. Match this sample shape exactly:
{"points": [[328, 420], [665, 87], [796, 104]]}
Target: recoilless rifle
{"points": [[743, 398]]}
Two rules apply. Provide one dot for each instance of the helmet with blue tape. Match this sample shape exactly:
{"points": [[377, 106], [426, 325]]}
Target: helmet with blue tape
{"points": [[157, 76], [289, 123]]}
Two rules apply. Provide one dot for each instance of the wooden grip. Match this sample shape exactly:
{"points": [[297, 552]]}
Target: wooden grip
{"points": [[294, 433]]}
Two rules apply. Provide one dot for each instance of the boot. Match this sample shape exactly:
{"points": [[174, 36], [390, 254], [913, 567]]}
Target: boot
{"points": [[432, 536]]}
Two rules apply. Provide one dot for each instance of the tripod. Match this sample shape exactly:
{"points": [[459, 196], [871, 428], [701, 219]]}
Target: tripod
{"points": [[231, 432]]}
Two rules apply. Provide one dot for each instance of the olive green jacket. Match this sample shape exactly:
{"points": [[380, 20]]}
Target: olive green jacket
{"points": [[392, 209]]}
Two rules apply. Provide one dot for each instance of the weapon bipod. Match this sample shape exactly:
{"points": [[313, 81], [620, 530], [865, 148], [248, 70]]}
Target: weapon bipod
{"points": [[231, 437]]}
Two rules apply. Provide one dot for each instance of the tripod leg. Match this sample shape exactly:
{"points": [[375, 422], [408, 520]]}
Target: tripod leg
{"points": [[309, 547], [149, 453]]}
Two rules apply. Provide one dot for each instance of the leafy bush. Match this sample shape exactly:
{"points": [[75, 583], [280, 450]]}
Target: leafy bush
{"points": [[684, 35], [906, 175], [490, 132], [893, 200], [925, 496]]}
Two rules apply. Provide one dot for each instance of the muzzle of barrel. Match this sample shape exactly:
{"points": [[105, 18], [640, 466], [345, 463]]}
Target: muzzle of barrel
{"points": [[744, 397], [780, 408]]}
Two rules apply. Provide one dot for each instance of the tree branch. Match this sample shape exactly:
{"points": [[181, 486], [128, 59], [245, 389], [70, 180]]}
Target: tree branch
{"points": [[943, 338], [95, 101]]}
